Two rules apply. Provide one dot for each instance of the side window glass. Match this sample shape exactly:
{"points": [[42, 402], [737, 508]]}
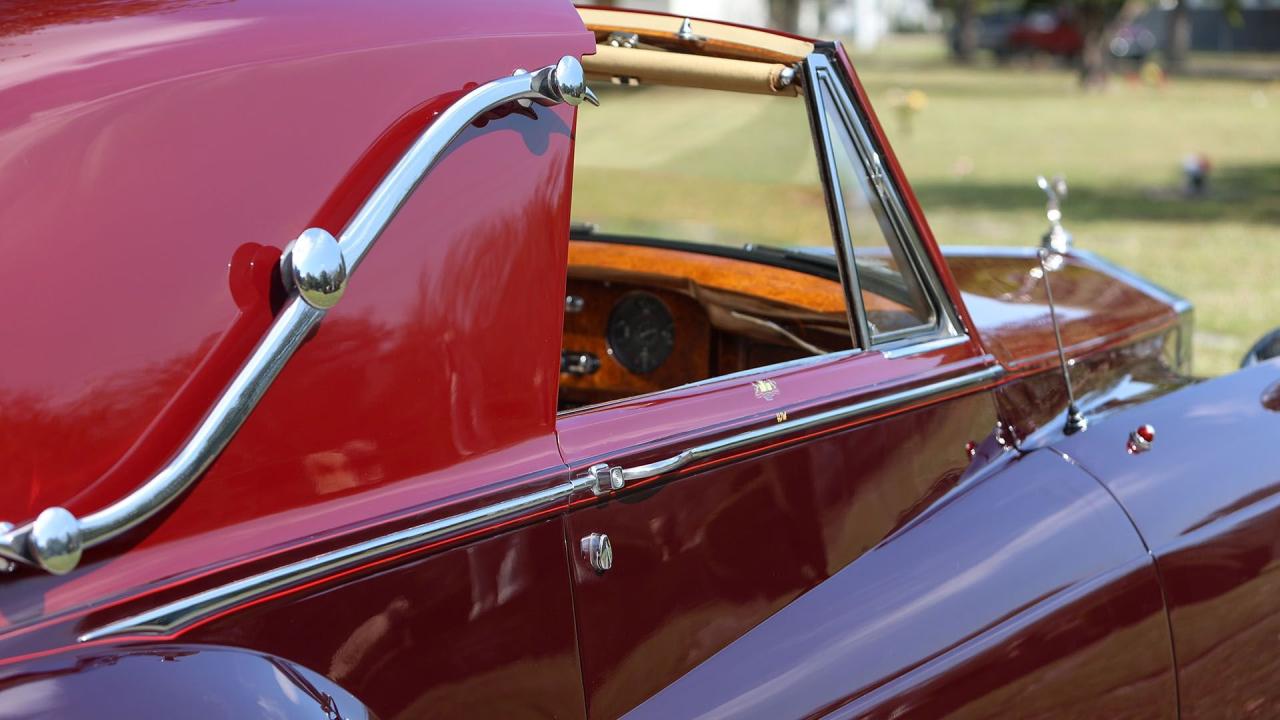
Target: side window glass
{"points": [[701, 244], [893, 299]]}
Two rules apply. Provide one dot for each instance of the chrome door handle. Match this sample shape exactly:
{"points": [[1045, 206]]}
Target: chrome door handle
{"points": [[604, 478], [316, 268]]}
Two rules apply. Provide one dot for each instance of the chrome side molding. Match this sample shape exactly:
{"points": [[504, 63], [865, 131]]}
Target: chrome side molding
{"points": [[316, 268], [173, 616], [604, 478]]}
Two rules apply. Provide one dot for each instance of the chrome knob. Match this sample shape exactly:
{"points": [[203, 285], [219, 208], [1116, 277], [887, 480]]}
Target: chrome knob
{"points": [[55, 541], [316, 267], [565, 82], [598, 551]]}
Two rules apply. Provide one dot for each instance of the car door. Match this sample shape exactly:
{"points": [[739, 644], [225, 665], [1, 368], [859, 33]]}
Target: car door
{"points": [[705, 508]]}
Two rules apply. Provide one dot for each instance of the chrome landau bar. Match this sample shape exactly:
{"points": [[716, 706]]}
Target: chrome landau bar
{"points": [[316, 268]]}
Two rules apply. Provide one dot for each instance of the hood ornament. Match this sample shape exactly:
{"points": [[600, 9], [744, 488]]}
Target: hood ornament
{"points": [[1054, 247], [1056, 238]]}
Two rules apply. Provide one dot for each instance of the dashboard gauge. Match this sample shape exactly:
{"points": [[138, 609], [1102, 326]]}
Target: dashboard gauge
{"points": [[641, 332]]}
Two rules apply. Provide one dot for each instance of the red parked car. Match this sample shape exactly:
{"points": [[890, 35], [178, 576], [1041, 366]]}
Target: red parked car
{"points": [[670, 407], [1051, 33]]}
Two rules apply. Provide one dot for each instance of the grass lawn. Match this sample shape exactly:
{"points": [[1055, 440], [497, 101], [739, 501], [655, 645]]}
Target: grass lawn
{"points": [[734, 168], [973, 152]]}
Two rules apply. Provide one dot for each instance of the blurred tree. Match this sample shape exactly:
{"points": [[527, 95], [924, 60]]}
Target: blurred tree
{"points": [[784, 15], [1099, 21], [966, 19], [1177, 41]]}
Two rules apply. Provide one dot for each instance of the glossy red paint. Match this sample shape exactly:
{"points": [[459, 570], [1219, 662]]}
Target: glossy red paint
{"points": [[1033, 405], [380, 634], [172, 680], [334, 445], [1004, 291], [969, 607], [156, 155], [1205, 498], [702, 559]]}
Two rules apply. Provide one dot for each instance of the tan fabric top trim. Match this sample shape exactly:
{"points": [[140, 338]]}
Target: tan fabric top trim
{"points": [[651, 67], [722, 40]]}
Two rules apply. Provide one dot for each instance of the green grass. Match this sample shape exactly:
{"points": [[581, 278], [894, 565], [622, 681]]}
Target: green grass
{"points": [[732, 168], [973, 152]]}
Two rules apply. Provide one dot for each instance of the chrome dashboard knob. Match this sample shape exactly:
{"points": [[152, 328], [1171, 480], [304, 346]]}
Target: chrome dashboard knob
{"points": [[598, 551]]}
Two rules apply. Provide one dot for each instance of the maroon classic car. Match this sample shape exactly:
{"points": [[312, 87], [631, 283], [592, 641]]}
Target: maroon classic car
{"points": [[670, 407]]}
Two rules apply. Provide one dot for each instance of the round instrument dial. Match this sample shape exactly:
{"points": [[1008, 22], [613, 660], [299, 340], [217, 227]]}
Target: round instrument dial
{"points": [[641, 332]]}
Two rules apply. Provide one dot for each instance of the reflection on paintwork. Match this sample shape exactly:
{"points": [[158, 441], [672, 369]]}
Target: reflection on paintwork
{"points": [[142, 334], [1009, 304], [434, 637], [187, 681], [347, 468], [709, 556], [1207, 503], [1061, 552]]}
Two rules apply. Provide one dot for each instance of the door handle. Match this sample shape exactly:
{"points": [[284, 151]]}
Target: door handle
{"points": [[316, 268]]}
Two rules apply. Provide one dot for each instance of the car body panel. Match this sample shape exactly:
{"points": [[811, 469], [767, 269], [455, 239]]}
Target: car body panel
{"points": [[703, 558], [341, 446], [1024, 591], [1205, 497], [434, 636], [200, 682], [1004, 291], [937, 555]]}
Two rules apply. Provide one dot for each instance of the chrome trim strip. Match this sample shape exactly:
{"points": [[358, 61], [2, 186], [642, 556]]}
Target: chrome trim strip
{"points": [[923, 347], [847, 412], [763, 370], [946, 317], [172, 616], [815, 67], [55, 540]]}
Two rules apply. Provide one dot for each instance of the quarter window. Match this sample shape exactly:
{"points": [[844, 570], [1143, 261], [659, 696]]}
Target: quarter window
{"points": [[893, 298]]}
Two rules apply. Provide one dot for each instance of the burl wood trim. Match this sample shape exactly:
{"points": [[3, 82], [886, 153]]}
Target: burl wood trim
{"points": [[779, 285], [586, 331]]}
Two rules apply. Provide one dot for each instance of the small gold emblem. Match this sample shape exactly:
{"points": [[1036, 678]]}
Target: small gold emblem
{"points": [[765, 389], [782, 416]]}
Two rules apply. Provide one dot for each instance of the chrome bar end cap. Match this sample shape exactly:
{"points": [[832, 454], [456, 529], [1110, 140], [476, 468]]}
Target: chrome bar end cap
{"points": [[565, 81], [313, 264], [597, 549], [55, 542], [7, 564]]}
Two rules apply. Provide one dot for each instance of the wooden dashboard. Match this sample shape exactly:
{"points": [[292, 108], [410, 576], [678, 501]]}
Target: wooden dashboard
{"points": [[725, 315]]}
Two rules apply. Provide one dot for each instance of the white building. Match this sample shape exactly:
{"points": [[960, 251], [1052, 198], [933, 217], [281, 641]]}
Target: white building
{"points": [[861, 22]]}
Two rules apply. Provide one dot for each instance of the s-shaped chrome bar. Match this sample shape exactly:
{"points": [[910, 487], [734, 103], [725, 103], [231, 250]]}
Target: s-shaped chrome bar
{"points": [[316, 267]]}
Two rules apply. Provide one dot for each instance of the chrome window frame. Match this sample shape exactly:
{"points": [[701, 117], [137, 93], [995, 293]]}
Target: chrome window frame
{"points": [[821, 75]]}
